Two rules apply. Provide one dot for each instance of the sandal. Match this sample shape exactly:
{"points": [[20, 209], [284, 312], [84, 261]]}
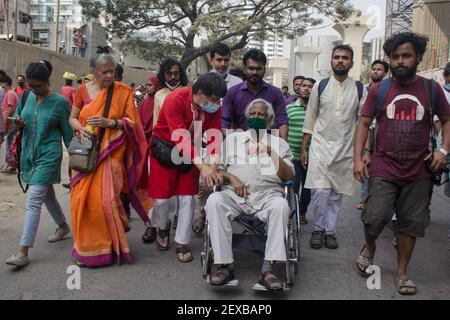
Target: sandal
{"points": [[221, 276], [303, 220], [199, 223], [149, 235], [404, 286], [164, 234], [183, 250], [363, 263], [270, 281]]}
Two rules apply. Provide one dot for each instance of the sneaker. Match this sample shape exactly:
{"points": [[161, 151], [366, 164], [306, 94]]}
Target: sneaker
{"points": [[60, 233], [316, 241], [331, 242], [18, 259]]}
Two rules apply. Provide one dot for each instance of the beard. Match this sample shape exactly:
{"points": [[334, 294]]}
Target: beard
{"points": [[403, 74], [376, 79], [254, 79], [340, 71]]}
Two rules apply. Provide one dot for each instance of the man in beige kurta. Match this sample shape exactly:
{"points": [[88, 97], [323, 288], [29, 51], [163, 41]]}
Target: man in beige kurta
{"points": [[331, 121]]}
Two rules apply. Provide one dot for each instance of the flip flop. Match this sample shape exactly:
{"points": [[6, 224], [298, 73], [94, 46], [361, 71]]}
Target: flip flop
{"points": [[184, 250], [164, 234], [405, 283], [363, 263]]}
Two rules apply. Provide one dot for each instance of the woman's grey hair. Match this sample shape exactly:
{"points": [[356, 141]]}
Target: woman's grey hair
{"points": [[270, 111], [100, 59]]}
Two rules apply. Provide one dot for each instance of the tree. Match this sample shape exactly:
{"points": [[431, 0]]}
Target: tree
{"points": [[186, 22]]}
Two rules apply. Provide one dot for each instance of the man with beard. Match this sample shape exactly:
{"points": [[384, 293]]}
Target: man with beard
{"points": [[171, 75], [296, 114], [240, 96], [378, 72], [296, 84], [401, 167], [331, 121]]}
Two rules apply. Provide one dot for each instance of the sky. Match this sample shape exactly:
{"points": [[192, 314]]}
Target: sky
{"points": [[368, 7]]}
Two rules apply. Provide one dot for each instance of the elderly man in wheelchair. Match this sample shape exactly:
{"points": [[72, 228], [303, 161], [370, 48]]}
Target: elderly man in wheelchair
{"points": [[254, 164]]}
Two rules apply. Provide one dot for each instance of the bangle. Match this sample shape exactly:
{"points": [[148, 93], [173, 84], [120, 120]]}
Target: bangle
{"points": [[116, 124], [443, 151]]}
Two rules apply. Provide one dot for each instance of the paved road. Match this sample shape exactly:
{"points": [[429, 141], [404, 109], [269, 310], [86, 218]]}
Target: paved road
{"points": [[323, 274]]}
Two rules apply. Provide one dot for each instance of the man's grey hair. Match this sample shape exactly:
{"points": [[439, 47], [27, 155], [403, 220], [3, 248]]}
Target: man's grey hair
{"points": [[270, 111], [100, 59]]}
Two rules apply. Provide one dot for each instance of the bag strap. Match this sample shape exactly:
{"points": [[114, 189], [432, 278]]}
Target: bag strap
{"points": [[106, 111], [430, 87], [382, 93], [360, 88], [322, 85]]}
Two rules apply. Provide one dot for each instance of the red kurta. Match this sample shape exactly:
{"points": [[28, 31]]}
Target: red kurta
{"points": [[178, 112]]}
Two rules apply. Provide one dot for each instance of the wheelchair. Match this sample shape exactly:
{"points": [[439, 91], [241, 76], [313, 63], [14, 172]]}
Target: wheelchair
{"points": [[254, 236]]}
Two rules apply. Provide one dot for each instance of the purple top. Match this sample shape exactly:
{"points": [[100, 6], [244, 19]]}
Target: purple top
{"points": [[289, 100], [239, 97]]}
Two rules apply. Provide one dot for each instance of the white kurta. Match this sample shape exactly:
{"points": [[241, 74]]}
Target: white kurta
{"points": [[332, 123]]}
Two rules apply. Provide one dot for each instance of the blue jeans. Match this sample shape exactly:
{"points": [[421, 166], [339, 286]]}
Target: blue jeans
{"points": [[38, 195], [300, 178]]}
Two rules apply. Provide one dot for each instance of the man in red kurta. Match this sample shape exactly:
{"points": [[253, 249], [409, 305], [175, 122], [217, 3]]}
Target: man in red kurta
{"points": [[187, 113]]}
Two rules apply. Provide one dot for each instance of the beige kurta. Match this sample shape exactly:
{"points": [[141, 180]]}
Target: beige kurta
{"points": [[160, 96], [257, 172], [332, 125]]}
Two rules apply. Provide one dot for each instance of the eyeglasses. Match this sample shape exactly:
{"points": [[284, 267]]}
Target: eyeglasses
{"points": [[172, 74]]}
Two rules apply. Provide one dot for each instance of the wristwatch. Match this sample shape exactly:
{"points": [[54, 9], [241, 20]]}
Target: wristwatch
{"points": [[443, 151]]}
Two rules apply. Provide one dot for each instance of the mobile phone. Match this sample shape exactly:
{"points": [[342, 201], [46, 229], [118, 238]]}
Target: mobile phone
{"points": [[12, 118]]}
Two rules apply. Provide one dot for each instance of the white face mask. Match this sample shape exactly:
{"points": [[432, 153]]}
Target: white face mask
{"points": [[171, 88], [224, 74]]}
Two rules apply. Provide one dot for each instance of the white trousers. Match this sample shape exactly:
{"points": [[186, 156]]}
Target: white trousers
{"points": [[186, 209], [221, 209], [326, 205]]}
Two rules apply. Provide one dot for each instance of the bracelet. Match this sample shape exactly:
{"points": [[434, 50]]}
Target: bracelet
{"points": [[116, 124], [442, 150]]}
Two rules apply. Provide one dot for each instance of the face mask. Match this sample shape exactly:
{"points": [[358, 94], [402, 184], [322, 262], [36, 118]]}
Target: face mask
{"points": [[171, 88], [210, 107], [256, 124], [21, 84], [447, 87], [224, 75], [2, 89]]}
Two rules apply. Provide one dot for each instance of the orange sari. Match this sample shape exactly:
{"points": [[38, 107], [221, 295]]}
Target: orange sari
{"points": [[98, 218]]}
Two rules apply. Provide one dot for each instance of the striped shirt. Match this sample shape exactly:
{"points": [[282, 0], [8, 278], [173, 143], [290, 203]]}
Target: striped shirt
{"points": [[296, 115]]}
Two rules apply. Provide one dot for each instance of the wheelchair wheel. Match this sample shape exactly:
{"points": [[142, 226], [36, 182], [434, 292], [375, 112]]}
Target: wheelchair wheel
{"points": [[206, 258]]}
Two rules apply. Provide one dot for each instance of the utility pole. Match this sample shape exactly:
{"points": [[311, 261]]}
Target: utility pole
{"points": [[6, 14], [58, 5], [14, 20]]}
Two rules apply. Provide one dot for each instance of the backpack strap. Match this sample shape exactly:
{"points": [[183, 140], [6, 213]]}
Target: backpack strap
{"points": [[382, 93], [322, 85], [360, 88], [430, 88]]}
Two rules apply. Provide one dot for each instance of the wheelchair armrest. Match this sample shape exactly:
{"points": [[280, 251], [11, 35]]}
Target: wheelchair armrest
{"points": [[287, 184]]}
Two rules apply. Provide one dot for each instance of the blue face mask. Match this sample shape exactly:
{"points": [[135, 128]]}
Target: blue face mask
{"points": [[210, 107]]}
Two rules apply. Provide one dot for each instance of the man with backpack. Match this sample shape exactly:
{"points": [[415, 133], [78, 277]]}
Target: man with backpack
{"points": [[402, 164], [331, 121]]}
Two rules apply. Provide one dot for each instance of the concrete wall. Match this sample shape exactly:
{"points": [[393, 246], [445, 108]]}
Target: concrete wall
{"points": [[15, 57]]}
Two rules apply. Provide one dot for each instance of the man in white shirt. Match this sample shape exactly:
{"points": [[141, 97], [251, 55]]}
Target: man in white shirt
{"points": [[331, 121], [220, 55]]}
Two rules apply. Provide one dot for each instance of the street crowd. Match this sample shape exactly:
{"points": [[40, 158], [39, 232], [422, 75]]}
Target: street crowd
{"points": [[224, 146]]}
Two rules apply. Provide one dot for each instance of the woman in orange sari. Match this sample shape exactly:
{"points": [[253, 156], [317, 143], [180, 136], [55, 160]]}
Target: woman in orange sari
{"points": [[98, 218]]}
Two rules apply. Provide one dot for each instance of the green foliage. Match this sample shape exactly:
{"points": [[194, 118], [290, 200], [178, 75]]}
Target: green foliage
{"points": [[185, 22]]}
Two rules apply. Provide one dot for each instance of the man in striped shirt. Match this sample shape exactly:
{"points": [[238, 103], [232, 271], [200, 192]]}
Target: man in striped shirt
{"points": [[296, 112]]}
